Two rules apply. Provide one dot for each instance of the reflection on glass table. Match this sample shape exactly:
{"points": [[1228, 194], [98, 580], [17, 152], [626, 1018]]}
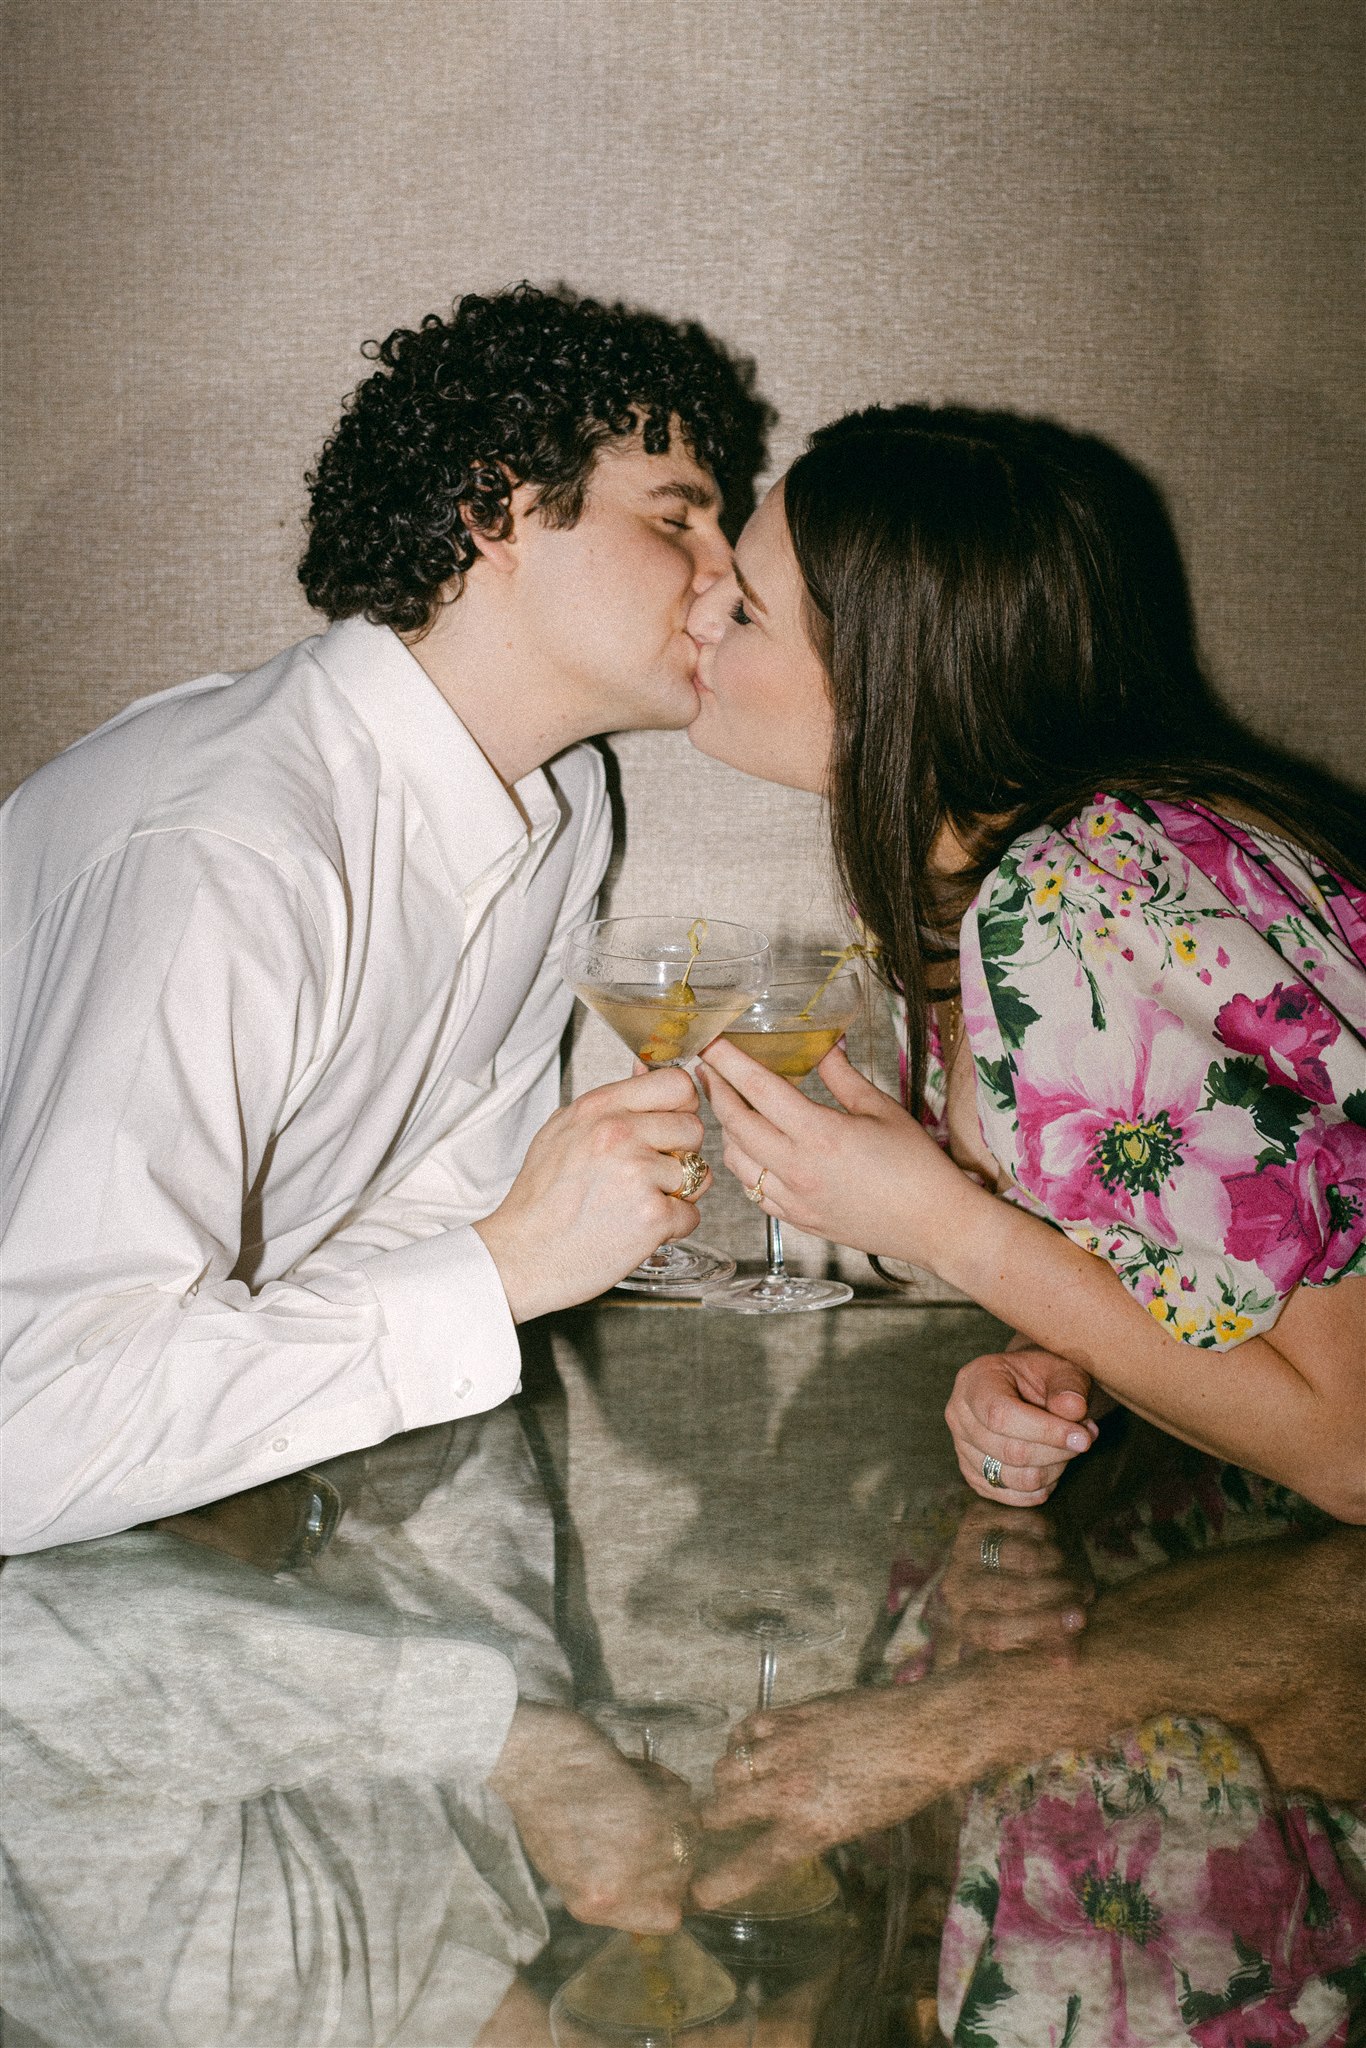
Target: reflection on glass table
{"points": [[647, 1990], [1158, 1837], [667, 986]]}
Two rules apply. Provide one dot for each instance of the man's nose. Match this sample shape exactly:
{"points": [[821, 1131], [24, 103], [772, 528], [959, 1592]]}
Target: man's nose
{"points": [[714, 560], [716, 592]]}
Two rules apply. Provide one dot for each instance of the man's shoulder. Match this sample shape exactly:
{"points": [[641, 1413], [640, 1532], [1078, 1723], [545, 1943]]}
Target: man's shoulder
{"points": [[256, 758]]}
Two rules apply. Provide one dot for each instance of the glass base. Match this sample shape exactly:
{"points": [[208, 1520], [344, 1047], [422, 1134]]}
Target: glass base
{"points": [[679, 1269], [784, 1297]]}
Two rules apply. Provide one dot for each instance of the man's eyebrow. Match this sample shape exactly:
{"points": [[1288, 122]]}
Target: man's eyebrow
{"points": [[747, 592], [700, 495]]}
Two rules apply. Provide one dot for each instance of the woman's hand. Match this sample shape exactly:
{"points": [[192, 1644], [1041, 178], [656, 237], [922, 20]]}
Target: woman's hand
{"points": [[1008, 1586], [865, 1174], [1027, 1408]]}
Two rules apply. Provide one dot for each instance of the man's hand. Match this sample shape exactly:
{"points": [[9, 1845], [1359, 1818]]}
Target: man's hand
{"points": [[1027, 1408], [597, 1192], [614, 1836], [819, 1773]]}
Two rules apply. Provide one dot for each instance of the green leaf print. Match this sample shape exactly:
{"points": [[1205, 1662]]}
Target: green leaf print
{"points": [[987, 1988], [1073, 2015], [1253, 1980], [1354, 1105], [1001, 937], [1277, 1112], [1013, 1014], [1236, 1081], [995, 1077], [980, 1891]]}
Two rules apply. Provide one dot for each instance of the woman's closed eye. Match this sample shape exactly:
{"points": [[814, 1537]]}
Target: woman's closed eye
{"points": [[739, 615]]}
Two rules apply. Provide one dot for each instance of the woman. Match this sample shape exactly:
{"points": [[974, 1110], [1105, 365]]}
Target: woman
{"points": [[1134, 974]]}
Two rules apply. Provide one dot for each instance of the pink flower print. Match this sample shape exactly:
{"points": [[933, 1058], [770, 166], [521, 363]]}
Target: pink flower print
{"points": [[1304, 1221], [1114, 1138], [1229, 858], [1287, 1030]]}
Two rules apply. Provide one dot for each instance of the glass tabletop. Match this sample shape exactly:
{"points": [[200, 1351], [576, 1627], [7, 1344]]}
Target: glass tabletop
{"points": [[339, 1762]]}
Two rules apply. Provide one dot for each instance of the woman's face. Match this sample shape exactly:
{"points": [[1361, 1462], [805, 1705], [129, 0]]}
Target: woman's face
{"points": [[763, 699]]}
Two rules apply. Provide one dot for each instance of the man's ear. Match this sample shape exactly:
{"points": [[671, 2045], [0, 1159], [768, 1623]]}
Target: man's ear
{"points": [[500, 551]]}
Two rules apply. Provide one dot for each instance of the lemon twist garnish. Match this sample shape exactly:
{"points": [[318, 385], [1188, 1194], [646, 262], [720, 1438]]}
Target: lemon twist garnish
{"points": [[860, 950]]}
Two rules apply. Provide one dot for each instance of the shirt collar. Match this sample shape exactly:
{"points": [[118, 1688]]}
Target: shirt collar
{"points": [[483, 831]]}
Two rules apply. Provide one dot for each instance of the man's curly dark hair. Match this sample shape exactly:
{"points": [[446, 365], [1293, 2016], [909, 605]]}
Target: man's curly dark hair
{"points": [[521, 386]]}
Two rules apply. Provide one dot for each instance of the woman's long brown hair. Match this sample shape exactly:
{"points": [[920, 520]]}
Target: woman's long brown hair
{"points": [[1002, 614]]}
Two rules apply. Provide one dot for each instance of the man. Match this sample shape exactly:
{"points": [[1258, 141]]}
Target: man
{"points": [[281, 1000]]}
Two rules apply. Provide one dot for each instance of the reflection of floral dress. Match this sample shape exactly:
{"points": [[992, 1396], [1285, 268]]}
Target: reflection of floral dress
{"points": [[1160, 1892], [1167, 1014]]}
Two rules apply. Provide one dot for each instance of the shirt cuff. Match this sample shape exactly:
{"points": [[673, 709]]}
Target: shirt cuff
{"points": [[450, 1345]]}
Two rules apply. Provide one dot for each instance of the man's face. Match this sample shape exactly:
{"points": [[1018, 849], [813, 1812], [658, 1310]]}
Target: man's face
{"points": [[605, 603]]}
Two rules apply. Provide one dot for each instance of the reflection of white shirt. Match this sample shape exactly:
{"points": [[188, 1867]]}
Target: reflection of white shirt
{"points": [[250, 1810], [280, 1013]]}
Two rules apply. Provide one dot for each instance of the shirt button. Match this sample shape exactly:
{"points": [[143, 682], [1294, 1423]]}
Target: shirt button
{"points": [[281, 1443]]}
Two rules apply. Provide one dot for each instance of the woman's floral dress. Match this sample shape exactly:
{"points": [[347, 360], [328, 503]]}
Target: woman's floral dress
{"points": [[1167, 1016]]}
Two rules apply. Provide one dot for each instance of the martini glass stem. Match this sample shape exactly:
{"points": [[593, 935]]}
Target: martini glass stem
{"points": [[768, 1672], [777, 1267]]}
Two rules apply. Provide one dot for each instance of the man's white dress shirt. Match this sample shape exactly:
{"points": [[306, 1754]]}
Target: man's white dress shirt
{"points": [[281, 1008]]}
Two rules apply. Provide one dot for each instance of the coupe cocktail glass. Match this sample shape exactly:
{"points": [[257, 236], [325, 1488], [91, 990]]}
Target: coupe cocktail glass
{"points": [[668, 986], [806, 1010]]}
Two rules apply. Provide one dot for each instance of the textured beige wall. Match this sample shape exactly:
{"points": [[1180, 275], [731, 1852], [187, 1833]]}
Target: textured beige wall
{"points": [[1145, 218]]}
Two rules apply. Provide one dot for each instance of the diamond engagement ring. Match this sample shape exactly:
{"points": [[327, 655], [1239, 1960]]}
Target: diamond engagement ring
{"points": [[756, 1193], [683, 1845], [991, 1471], [694, 1173], [744, 1756], [991, 1552]]}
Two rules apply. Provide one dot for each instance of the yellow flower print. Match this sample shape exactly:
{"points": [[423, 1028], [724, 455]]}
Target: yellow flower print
{"points": [[1099, 824], [1230, 1325], [1218, 1758], [1048, 887], [1160, 1309], [1184, 945]]}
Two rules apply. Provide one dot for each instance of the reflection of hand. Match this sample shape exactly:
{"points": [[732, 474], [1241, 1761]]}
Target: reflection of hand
{"points": [[865, 1174], [819, 1773], [1027, 1408], [596, 1193], [607, 1832], [1008, 1586]]}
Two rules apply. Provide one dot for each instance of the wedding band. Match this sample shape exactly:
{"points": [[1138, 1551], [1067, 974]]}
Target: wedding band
{"points": [[744, 1756], [683, 1845], [991, 1471], [991, 1552], [756, 1193], [694, 1173]]}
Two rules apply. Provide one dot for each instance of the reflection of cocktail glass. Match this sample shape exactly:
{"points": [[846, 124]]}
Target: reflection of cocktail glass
{"points": [[807, 1009], [660, 1730], [651, 1990], [773, 1617], [668, 986]]}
